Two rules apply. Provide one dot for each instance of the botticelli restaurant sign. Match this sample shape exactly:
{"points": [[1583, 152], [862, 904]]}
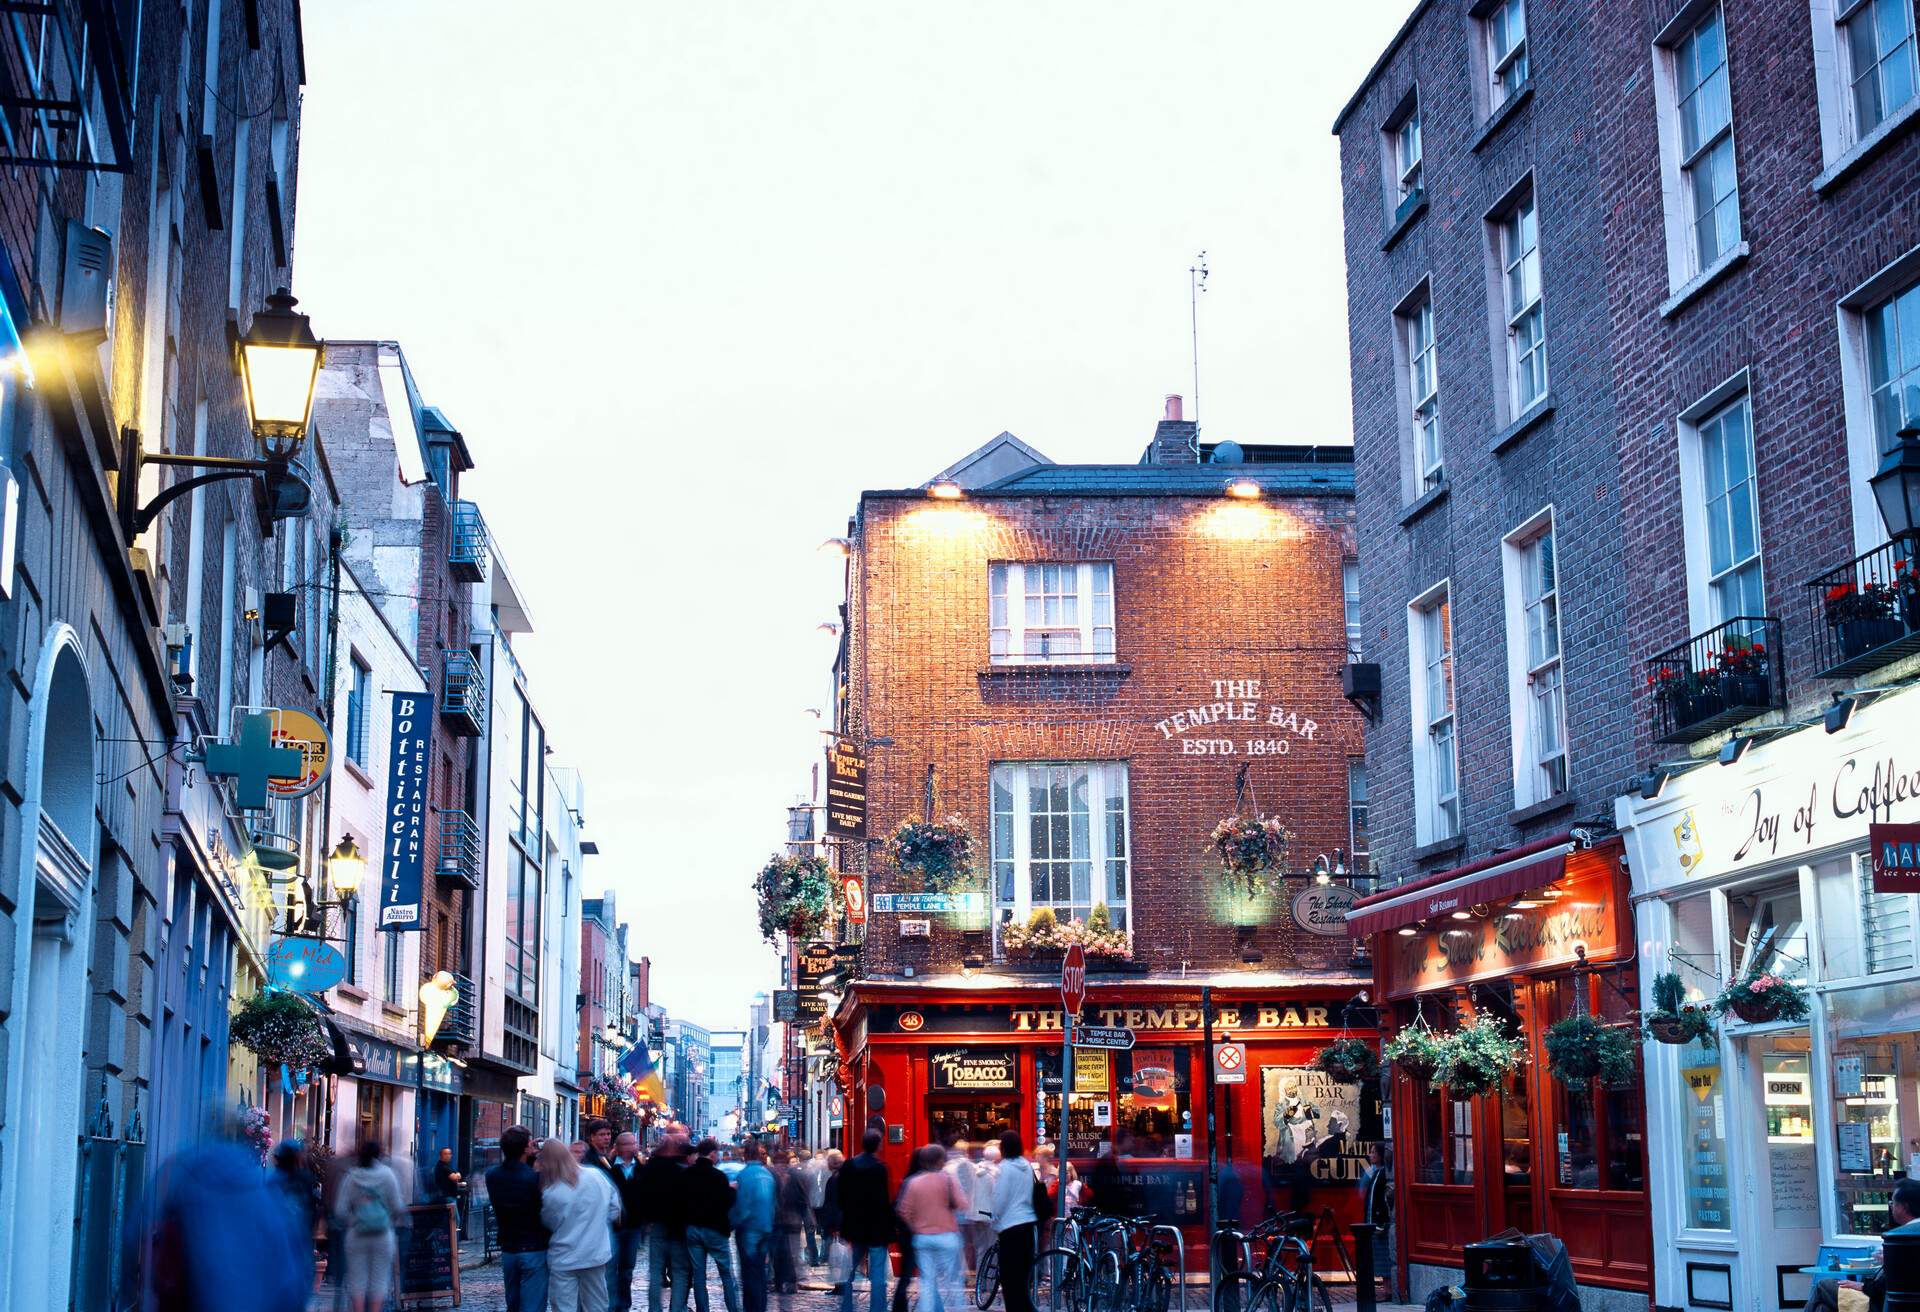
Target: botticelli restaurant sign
{"points": [[969, 1070], [404, 848]]}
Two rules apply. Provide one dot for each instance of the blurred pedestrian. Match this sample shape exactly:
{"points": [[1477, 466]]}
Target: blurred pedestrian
{"points": [[813, 1175], [579, 1207], [578, 1148], [663, 1192], [986, 1170], [830, 1201], [931, 1205], [867, 1221], [630, 1231], [961, 1169], [789, 1220], [299, 1191], [754, 1204], [903, 1237], [1014, 1222], [599, 1144], [514, 1191], [709, 1203], [368, 1205], [223, 1238]]}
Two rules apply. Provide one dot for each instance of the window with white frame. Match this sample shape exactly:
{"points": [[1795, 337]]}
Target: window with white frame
{"points": [[1350, 604], [1518, 235], [1060, 839], [1877, 44], [1436, 773], [1696, 109], [1537, 689], [1507, 66], [394, 977], [359, 711], [1893, 365], [1406, 151], [1722, 516], [1043, 612], [1423, 388]]}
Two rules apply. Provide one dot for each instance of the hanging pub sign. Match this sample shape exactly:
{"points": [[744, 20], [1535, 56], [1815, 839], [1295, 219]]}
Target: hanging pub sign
{"points": [[1322, 909], [816, 961], [846, 790], [786, 1005], [971, 1070], [1895, 852], [855, 891], [306, 735], [404, 855]]}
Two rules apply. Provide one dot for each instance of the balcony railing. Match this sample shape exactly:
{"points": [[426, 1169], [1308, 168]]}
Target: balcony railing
{"points": [[1730, 673], [463, 695], [468, 555], [459, 861], [1866, 613], [461, 1024]]}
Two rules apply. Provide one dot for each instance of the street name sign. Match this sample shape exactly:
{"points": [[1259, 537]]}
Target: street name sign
{"points": [[1111, 1038], [921, 903]]}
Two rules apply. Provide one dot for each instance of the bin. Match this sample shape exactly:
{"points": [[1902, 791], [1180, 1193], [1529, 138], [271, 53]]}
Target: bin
{"points": [[1501, 1277], [1900, 1259]]}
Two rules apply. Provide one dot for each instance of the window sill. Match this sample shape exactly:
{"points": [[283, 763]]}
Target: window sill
{"points": [[1445, 847], [1706, 278], [353, 992], [1405, 221], [1525, 424], [364, 779], [1526, 815], [396, 1012], [1037, 670], [1867, 147], [1428, 500], [1498, 119]]}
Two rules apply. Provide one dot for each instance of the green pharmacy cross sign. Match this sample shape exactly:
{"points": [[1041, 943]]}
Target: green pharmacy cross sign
{"points": [[251, 760]]}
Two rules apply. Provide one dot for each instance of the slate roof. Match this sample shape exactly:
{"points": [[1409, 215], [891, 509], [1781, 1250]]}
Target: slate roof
{"points": [[1332, 478]]}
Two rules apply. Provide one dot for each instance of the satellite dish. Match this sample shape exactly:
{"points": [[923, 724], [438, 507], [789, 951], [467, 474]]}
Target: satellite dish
{"points": [[1227, 453]]}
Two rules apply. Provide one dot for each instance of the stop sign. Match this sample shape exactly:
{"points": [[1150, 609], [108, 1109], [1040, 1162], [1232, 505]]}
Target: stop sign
{"points": [[1073, 980]]}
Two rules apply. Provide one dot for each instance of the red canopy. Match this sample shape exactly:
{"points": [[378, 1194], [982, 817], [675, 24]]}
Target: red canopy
{"points": [[1489, 879]]}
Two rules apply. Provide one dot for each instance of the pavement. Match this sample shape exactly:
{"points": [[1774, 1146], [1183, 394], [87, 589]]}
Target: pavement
{"points": [[481, 1290]]}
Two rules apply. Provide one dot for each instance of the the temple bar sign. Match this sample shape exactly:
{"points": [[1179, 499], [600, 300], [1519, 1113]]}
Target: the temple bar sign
{"points": [[1277, 1017], [1895, 851]]}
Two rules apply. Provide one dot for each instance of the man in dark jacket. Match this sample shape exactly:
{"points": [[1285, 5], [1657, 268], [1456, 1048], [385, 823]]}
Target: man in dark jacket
{"points": [[663, 1200], [709, 1198], [514, 1191], [630, 1231], [867, 1221]]}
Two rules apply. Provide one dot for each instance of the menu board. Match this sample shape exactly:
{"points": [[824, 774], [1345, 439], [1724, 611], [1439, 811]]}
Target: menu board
{"points": [[1795, 1192], [429, 1254]]}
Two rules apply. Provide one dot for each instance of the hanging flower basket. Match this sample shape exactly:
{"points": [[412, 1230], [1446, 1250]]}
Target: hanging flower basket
{"points": [[1045, 935], [795, 895], [1759, 999], [1581, 1048], [1478, 1058], [1673, 1019], [255, 1132], [281, 1029], [1349, 1061], [1252, 851], [940, 852], [608, 1086], [1414, 1051]]}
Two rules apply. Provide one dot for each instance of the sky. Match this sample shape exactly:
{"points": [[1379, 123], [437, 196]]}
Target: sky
{"points": [[688, 277]]}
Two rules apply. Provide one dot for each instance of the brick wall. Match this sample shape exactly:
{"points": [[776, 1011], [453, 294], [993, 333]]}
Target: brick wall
{"points": [[1205, 589], [1567, 461]]}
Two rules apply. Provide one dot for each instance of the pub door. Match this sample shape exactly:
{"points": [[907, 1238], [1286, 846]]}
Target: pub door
{"points": [[976, 1117]]}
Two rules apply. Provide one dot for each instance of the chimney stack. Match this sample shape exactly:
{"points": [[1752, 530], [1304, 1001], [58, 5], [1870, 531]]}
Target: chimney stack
{"points": [[1176, 441]]}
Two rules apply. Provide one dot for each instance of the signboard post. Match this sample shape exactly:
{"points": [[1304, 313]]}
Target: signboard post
{"points": [[846, 790], [430, 1261], [1895, 852]]}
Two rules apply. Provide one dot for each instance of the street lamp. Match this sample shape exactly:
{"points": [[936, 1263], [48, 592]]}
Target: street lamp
{"points": [[1896, 484], [1243, 489], [346, 867], [1327, 869]]}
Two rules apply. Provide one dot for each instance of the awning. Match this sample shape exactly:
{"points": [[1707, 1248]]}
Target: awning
{"points": [[1490, 879]]}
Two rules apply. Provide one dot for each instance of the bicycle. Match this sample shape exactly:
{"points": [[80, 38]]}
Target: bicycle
{"points": [[1145, 1284], [1079, 1275], [986, 1278], [1285, 1281]]}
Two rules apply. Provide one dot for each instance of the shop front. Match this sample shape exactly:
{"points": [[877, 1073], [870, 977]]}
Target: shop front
{"points": [[375, 1102], [978, 1058], [1529, 937], [1789, 1134]]}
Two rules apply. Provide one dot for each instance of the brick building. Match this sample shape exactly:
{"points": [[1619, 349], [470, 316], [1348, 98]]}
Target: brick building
{"points": [[1492, 577], [143, 221], [1091, 666]]}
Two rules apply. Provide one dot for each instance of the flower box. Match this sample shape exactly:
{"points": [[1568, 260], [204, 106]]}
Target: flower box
{"points": [[1858, 637]]}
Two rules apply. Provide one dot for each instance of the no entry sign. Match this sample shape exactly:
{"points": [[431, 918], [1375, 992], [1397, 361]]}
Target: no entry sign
{"points": [[1229, 1063], [1073, 980]]}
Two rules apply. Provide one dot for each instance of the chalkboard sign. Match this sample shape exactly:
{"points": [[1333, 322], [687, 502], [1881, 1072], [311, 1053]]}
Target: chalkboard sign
{"points": [[429, 1255]]}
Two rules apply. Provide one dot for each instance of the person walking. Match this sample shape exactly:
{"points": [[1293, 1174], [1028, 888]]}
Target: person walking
{"points": [[931, 1205], [367, 1205], [578, 1206], [709, 1205], [986, 1168], [754, 1204], [829, 1214], [867, 1221], [300, 1192], [909, 1268], [813, 1175], [223, 1240], [789, 1220], [1015, 1221], [599, 1145], [514, 1191], [961, 1168], [630, 1231], [662, 1191]]}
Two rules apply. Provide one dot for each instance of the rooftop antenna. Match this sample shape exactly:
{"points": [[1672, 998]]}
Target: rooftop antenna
{"points": [[1196, 284]]}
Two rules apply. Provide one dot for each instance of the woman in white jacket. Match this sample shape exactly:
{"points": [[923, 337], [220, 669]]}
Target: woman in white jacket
{"points": [[579, 1207]]}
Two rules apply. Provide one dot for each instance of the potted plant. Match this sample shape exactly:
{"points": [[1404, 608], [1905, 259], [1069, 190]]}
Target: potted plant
{"points": [[1478, 1058], [1046, 936], [1581, 1047], [283, 1029], [1349, 1061], [1414, 1050], [1760, 997], [795, 895], [1252, 851], [1674, 1019], [256, 1132], [940, 852], [1743, 673], [1689, 696], [1861, 616]]}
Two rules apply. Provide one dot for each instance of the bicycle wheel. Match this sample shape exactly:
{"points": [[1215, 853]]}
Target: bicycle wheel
{"points": [[1156, 1288], [986, 1278], [1103, 1294], [1297, 1300], [1243, 1291], [1058, 1286]]}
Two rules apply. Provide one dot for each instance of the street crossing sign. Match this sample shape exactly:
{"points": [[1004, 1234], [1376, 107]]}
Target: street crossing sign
{"points": [[1229, 1063], [1112, 1038]]}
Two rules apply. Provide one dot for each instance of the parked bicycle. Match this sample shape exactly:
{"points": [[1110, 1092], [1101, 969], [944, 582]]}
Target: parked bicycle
{"points": [[1282, 1281], [1081, 1270]]}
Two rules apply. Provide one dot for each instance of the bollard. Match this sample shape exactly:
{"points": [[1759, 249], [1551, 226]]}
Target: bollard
{"points": [[1364, 1290]]}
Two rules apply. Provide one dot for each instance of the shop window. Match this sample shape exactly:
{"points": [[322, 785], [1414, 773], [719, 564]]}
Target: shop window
{"points": [[1875, 1083], [1600, 1142], [1696, 956], [1768, 935], [1155, 1105], [1703, 1103], [1862, 932], [1446, 1137]]}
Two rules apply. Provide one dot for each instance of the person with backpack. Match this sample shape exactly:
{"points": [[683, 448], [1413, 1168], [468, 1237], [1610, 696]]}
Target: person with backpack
{"points": [[578, 1205], [367, 1204]]}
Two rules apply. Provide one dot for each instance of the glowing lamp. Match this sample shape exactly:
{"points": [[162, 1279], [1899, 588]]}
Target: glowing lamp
{"points": [[346, 867], [944, 490], [438, 996], [279, 364], [1243, 489]]}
